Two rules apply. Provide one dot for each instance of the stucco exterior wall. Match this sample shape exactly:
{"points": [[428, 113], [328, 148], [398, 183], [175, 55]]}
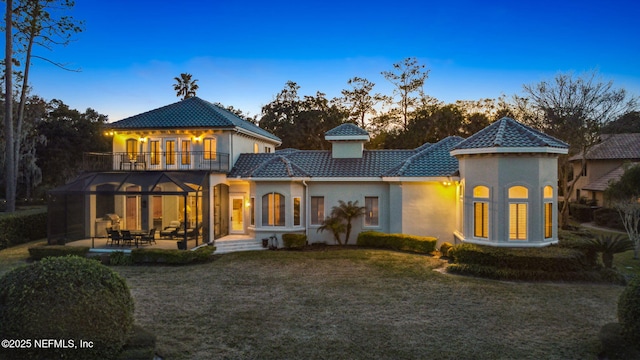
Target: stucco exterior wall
{"points": [[499, 172]]}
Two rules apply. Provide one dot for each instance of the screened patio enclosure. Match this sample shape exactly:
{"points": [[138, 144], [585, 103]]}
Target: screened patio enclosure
{"points": [[93, 202]]}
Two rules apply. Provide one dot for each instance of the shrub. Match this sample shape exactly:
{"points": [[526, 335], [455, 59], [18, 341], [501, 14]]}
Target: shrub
{"points": [[65, 298], [402, 242], [43, 251], [629, 311], [444, 248], [609, 218], [294, 241], [174, 257], [579, 240], [503, 273], [22, 228], [609, 245], [551, 259], [581, 212], [119, 258]]}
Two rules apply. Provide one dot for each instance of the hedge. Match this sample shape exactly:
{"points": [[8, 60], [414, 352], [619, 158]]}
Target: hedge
{"points": [[41, 252], [401, 242], [21, 228], [609, 218], [174, 257], [581, 212], [551, 259], [502, 273], [294, 241]]}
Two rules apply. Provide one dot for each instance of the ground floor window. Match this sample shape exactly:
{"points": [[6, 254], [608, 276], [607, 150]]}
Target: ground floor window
{"points": [[317, 210], [481, 219], [548, 220], [371, 216], [273, 206], [517, 221], [296, 211]]}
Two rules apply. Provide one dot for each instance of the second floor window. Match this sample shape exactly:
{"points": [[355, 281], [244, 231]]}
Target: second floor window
{"points": [[186, 152], [132, 149], [154, 146], [170, 152]]}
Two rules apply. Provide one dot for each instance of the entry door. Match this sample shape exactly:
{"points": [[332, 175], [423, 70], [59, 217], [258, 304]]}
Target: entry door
{"points": [[237, 214], [131, 211]]}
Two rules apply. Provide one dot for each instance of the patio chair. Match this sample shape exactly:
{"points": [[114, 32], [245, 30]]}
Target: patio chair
{"points": [[149, 238], [191, 232], [171, 230], [113, 236], [127, 238]]}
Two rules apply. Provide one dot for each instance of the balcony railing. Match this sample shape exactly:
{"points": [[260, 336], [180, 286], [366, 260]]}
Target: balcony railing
{"points": [[160, 161]]}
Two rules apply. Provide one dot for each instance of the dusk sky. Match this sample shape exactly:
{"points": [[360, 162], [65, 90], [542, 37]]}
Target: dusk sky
{"points": [[243, 52]]}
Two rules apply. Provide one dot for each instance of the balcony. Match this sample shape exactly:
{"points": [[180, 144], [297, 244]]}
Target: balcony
{"points": [[158, 161]]}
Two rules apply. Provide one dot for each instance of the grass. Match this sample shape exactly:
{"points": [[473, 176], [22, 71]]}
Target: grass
{"points": [[356, 304]]}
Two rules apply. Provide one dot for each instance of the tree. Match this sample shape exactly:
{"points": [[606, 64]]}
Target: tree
{"points": [[627, 123], [9, 161], [347, 212], [35, 24], [408, 78], [573, 109], [624, 196], [335, 225], [359, 100], [185, 86]]}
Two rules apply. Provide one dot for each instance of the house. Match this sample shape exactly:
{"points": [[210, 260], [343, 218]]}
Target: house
{"points": [[195, 162], [604, 163]]}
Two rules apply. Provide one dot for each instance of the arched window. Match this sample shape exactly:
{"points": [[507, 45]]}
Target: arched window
{"points": [[548, 211], [518, 197], [481, 212], [273, 209]]}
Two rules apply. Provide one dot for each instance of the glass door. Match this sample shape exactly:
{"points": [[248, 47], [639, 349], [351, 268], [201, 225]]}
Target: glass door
{"points": [[237, 214]]}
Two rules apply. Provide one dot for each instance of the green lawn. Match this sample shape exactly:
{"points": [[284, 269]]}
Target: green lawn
{"points": [[357, 304]]}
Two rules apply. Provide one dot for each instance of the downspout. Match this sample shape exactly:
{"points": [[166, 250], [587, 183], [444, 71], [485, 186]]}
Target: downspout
{"points": [[306, 208]]}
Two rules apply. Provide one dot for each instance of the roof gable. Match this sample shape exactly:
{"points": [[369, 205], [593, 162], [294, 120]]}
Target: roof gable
{"points": [[190, 113]]}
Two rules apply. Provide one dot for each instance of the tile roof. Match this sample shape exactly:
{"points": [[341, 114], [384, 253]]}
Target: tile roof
{"points": [[508, 133], [429, 161], [190, 113], [614, 146], [347, 129], [602, 183]]}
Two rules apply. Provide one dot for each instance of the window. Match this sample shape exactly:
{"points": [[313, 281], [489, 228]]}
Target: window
{"points": [[296, 211], [256, 148], [273, 209], [132, 149], [371, 208], [155, 152], [209, 148], [481, 212], [518, 213], [317, 210], [548, 212], [186, 152], [267, 149], [170, 152]]}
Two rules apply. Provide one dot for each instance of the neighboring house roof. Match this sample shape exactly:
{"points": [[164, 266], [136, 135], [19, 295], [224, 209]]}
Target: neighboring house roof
{"points": [[602, 183], [508, 133], [430, 161], [190, 113], [614, 146]]}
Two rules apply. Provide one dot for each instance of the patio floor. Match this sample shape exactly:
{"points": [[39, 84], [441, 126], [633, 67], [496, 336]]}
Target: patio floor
{"points": [[100, 244]]}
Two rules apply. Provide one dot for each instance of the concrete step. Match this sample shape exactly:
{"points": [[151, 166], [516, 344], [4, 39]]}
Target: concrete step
{"points": [[229, 246]]}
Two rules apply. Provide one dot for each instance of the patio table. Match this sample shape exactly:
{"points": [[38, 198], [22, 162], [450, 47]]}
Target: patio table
{"points": [[137, 235]]}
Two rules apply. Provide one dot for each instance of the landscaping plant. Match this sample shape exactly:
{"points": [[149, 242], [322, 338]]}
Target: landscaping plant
{"points": [[609, 245]]}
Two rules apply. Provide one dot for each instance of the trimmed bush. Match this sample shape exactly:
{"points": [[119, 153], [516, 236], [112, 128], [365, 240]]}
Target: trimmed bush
{"points": [[401, 242], [629, 311], [581, 212], [68, 298], [41, 252], [294, 241], [173, 257], [502, 273], [21, 228], [444, 248], [609, 218], [119, 258]]}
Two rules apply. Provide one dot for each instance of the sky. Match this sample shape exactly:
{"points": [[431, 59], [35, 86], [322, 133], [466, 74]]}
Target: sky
{"points": [[243, 52]]}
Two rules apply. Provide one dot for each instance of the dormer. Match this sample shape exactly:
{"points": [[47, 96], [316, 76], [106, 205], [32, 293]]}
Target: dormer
{"points": [[347, 141]]}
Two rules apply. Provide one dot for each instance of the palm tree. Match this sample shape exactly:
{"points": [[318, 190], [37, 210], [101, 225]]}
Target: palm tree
{"points": [[609, 245], [347, 211], [335, 225], [184, 86]]}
